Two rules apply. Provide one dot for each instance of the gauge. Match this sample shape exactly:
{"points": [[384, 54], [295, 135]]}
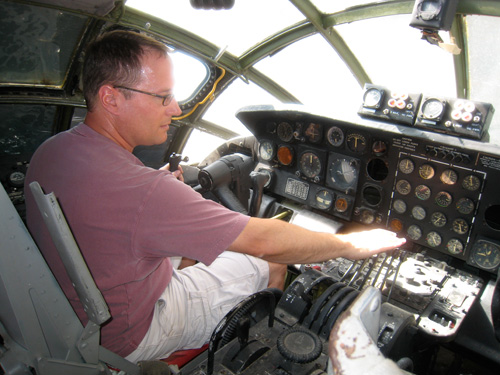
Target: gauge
{"points": [[426, 171], [486, 254], [379, 148], [414, 232], [16, 179], [449, 177], [406, 166], [443, 199], [432, 109], [465, 206], [438, 219], [314, 132], [460, 226], [367, 217], [433, 239], [471, 183], [266, 150], [455, 246], [418, 213], [324, 199], [356, 142], [341, 204], [285, 131], [396, 225], [372, 98], [403, 187], [309, 164], [344, 173], [285, 155], [422, 192], [335, 136], [399, 206]]}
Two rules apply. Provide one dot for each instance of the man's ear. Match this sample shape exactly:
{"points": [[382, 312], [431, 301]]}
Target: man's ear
{"points": [[109, 98]]}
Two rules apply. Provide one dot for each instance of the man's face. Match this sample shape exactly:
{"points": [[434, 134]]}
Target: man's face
{"points": [[144, 119]]}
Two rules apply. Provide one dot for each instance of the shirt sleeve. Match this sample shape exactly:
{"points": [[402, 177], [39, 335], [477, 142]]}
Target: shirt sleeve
{"points": [[174, 220]]}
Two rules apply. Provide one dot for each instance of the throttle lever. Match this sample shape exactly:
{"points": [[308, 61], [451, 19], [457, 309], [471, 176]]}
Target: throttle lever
{"points": [[174, 161], [259, 180]]}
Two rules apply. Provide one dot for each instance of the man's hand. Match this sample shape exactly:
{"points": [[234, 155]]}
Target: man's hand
{"points": [[368, 243], [178, 174]]}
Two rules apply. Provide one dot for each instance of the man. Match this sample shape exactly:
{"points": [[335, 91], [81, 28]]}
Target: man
{"points": [[129, 220]]}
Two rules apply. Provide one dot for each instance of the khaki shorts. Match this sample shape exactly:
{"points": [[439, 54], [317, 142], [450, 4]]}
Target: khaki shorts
{"points": [[195, 301]]}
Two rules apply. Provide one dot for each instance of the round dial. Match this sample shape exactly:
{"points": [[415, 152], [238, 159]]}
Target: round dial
{"points": [[438, 219], [399, 206], [16, 179], [432, 109], [426, 171], [356, 142], [460, 226], [403, 187], [343, 173], [406, 166], [465, 206], [486, 254], [285, 131], [471, 183], [314, 132], [266, 150], [341, 204], [433, 239], [414, 232], [443, 199], [285, 155], [455, 246], [324, 199], [418, 213], [310, 164], [449, 177], [422, 192], [372, 98], [367, 217], [335, 136]]}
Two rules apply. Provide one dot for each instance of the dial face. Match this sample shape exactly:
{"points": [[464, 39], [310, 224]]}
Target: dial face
{"points": [[418, 213], [367, 217], [356, 142], [486, 254], [343, 173], [455, 246], [285, 131], [399, 206], [310, 164], [460, 226], [285, 155], [396, 225], [426, 171], [314, 132], [406, 166], [433, 239], [372, 98], [266, 150], [438, 219], [465, 206], [449, 177], [324, 199], [422, 192], [443, 199], [16, 179], [414, 232], [335, 136], [471, 183], [432, 109], [341, 204], [403, 187]]}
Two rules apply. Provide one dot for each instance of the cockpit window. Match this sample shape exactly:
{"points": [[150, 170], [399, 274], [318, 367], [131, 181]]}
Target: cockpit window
{"points": [[189, 73], [38, 44]]}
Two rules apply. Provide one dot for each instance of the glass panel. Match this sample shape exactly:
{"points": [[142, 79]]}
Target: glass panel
{"points": [[329, 6], [246, 24], [484, 54], [24, 127], [189, 74], [316, 76], [38, 44], [200, 145]]}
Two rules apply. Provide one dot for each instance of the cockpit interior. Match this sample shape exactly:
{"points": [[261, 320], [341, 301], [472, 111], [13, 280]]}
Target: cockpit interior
{"points": [[333, 115]]}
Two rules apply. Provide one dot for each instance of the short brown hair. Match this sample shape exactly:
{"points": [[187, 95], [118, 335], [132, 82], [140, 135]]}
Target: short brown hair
{"points": [[115, 58]]}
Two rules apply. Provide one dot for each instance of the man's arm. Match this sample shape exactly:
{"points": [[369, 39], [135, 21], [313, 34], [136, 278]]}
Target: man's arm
{"points": [[281, 242]]}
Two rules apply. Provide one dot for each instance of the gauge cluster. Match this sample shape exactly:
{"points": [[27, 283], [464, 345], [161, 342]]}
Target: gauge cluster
{"points": [[438, 191]]}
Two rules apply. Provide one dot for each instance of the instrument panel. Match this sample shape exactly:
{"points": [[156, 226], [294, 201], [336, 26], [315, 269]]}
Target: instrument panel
{"points": [[439, 191]]}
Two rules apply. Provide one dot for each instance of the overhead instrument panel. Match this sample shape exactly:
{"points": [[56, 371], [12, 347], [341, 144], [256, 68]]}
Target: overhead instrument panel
{"points": [[439, 191]]}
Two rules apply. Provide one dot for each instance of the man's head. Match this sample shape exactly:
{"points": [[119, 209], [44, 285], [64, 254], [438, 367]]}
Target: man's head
{"points": [[115, 58], [128, 85]]}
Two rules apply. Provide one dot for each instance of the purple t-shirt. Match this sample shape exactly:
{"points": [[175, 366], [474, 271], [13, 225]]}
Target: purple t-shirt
{"points": [[127, 220]]}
